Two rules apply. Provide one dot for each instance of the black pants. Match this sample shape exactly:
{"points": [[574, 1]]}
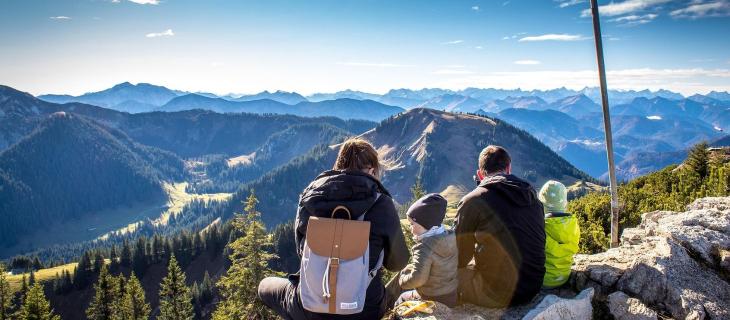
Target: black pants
{"points": [[281, 295]]}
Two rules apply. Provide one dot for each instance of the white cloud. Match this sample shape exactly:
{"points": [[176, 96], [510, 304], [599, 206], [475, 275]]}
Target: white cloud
{"points": [[553, 37], [700, 10], [60, 18], [479, 47], [371, 64], [624, 7], [154, 2], [475, 8], [527, 62], [453, 42], [654, 117], [166, 33], [634, 19], [568, 3]]}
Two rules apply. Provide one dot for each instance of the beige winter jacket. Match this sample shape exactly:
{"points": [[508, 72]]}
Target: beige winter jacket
{"points": [[433, 271]]}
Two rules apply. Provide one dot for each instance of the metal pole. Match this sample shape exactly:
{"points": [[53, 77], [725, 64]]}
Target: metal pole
{"points": [[606, 124]]}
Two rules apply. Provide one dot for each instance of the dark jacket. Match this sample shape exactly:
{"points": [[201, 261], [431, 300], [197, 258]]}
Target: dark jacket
{"points": [[433, 271], [500, 224], [357, 191]]}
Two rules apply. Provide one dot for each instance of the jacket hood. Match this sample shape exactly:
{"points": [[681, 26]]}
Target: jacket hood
{"points": [[442, 244], [355, 190], [514, 189]]}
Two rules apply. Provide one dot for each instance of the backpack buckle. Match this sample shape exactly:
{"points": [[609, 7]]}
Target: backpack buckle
{"points": [[335, 261]]}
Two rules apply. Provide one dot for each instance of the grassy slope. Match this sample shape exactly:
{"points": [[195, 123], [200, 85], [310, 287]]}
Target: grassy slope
{"points": [[42, 275]]}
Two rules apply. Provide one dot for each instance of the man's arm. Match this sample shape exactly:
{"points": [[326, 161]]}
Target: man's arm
{"points": [[467, 218]]}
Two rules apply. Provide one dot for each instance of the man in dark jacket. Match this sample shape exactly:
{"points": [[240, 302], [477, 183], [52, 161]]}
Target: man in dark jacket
{"points": [[500, 226]]}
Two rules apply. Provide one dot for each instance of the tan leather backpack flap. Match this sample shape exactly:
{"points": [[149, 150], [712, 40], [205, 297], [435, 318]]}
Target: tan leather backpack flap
{"points": [[338, 238]]}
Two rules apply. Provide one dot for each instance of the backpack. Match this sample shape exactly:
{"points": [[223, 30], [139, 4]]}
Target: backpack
{"points": [[334, 271]]}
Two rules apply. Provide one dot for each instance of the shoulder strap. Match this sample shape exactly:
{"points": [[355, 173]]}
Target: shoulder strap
{"points": [[362, 216], [379, 264]]}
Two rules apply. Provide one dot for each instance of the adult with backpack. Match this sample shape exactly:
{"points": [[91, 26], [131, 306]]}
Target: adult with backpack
{"points": [[346, 229], [500, 234]]}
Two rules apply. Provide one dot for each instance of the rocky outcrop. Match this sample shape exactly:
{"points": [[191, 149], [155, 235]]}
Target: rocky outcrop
{"points": [[674, 262]]}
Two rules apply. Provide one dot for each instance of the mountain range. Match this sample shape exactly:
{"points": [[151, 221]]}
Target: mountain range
{"points": [[643, 121], [147, 157]]}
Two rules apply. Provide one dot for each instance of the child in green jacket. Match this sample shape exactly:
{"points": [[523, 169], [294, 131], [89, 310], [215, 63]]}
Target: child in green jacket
{"points": [[562, 234]]}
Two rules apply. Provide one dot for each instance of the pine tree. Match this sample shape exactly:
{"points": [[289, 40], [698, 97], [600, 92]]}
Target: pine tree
{"points": [[175, 298], [206, 288], [249, 266], [133, 305], [31, 279], [106, 294], [125, 259], [83, 273], [113, 259], [37, 265], [158, 248], [24, 286], [6, 296], [35, 306], [139, 260], [98, 261], [698, 159], [417, 191], [67, 283]]}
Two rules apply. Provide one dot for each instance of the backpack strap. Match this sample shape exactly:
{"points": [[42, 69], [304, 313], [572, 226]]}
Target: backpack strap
{"points": [[362, 216], [379, 264]]}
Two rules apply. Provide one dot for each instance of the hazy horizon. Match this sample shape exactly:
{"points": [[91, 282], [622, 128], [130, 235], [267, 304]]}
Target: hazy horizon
{"points": [[78, 46]]}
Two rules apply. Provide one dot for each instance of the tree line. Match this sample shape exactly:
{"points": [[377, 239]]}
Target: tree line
{"points": [[703, 174]]}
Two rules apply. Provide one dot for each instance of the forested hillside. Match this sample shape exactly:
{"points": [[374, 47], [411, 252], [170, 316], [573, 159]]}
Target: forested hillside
{"points": [[704, 173], [70, 167]]}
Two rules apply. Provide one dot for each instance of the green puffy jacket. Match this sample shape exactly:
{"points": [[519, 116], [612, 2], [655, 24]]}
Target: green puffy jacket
{"points": [[561, 243]]}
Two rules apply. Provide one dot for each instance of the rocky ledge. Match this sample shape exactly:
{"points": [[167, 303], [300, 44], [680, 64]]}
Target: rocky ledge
{"points": [[677, 263], [673, 265]]}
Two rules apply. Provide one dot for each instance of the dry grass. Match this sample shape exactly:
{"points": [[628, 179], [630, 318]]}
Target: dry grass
{"points": [[43, 275]]}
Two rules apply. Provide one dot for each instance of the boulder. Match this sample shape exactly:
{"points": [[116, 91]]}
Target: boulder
{"points": [[674, 262], [623, 307], [553, 307]]}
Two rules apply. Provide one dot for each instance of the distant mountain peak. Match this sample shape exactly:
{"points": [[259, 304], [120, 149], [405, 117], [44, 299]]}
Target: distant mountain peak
{"points": [[125, 84]]}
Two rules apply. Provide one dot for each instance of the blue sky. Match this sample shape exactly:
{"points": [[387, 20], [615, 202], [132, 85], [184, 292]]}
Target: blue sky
{"points": [[65, 46]]}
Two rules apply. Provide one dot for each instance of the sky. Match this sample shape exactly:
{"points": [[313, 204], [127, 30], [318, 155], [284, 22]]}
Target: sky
{"points": [[238, 46]]}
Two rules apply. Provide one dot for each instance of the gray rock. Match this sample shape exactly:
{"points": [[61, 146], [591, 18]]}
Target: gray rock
{"points": [[623, 307], [553, 307], [675, 262]]}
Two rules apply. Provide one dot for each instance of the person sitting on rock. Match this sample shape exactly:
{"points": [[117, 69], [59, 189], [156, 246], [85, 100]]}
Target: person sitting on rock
{"points": [[432, 275], [562, 234], [500, 233]]}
